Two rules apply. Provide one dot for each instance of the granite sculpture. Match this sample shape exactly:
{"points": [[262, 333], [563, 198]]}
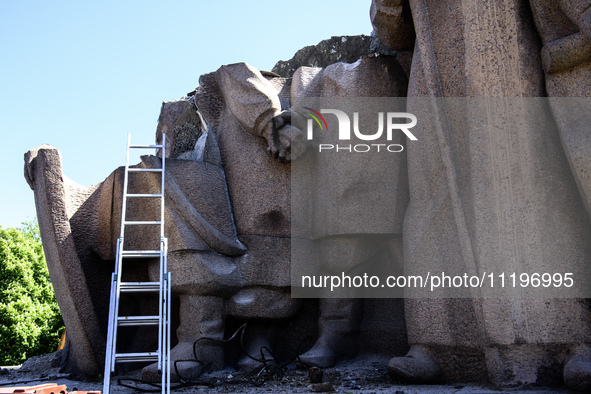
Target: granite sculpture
{"points": [[222, 267], [467, 197], [345, 242], [492, 201], [228, 228]]}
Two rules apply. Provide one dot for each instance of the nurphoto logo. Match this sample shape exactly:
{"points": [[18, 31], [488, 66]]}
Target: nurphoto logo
{"points": [[394, 121]]}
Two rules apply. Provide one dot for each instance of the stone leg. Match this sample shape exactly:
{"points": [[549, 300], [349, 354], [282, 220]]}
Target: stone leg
{"points": [[338, 326], [258, 342], [201, 317], [437, 329], [338, 323]]}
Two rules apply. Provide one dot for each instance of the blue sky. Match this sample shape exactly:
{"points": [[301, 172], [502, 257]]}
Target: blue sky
{"points": [[80, 75]]}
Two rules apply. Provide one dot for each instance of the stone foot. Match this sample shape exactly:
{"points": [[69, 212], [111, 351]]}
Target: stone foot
{"points": [[321, 355], [208, 354], [577, 370], [187, 370], [338, 326], [418, 366], [200, 317], [258, 338], [247, 364]]}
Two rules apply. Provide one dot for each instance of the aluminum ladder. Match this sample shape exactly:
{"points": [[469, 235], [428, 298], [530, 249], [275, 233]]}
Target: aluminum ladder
{"points": [[162, 320]]}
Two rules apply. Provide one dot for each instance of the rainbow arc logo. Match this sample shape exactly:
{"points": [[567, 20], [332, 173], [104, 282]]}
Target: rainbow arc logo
{"points": [[316, 115]]}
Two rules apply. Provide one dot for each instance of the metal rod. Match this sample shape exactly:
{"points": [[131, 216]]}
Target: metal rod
{"points": [[162, 184], [146, 146]]}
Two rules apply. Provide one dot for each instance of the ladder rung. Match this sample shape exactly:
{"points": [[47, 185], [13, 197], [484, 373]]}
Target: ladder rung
{"points": [[136, 357], [135, 222], [145, 146], [139, 254], [137, 287], [143, 195], [138, 320], [144, 169]]}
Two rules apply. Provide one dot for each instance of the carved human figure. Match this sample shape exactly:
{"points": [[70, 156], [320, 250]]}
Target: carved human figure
{"points": [[253, 103], [354, 203], [565, 30], [237, 102], [227, 216], [228, 246], [475, 203]]}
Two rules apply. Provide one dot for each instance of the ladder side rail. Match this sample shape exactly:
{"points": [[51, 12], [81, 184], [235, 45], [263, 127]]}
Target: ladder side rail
{"points": [[161, 311], [163, 159], [109, 353], [161, 328], [153, 146], [166, 373], [125, 184], [117, 299], [113, 312], [168, 295], [162, 342]]}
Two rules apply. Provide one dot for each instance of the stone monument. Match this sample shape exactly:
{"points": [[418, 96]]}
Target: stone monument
{"points": [[491, 201], [467, 197]]}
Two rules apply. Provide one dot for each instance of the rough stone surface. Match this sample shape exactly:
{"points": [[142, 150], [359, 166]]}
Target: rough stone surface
{"points": [[564, 29], [260, 196], [338, 177], [463, 49], [182, 125], [56, 199], [202, 273], [567, 65], [346, 49], [392, 23]]}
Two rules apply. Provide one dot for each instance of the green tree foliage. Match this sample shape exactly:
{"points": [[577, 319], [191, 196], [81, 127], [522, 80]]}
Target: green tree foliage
{"points": [[30, 320]]}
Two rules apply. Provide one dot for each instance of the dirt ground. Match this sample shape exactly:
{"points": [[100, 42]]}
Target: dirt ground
{"points": [[361, 375]]}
